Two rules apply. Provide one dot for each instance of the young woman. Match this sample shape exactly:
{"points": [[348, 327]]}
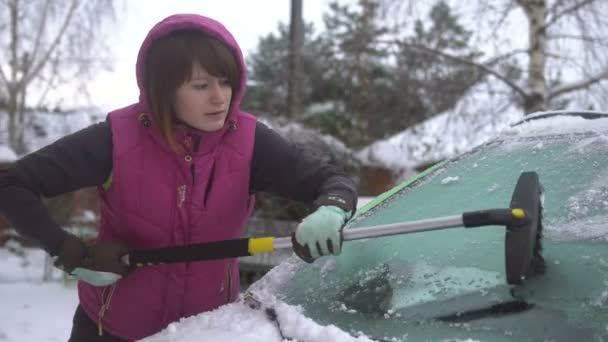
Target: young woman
{"points": [[180, 166]]}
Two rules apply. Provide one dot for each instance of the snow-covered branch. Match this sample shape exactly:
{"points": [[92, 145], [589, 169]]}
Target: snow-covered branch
{"points": [[41, 28], [582, 84], [566, 11], [484, 67], [42, 62]]}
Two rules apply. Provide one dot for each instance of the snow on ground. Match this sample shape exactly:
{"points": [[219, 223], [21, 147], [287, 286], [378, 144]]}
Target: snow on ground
{"points": [[36, 311], [32, 310]]}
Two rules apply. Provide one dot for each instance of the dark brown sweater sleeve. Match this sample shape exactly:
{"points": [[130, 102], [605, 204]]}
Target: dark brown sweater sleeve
{"points": [[289, 170], [84, 159], [76, 161]]}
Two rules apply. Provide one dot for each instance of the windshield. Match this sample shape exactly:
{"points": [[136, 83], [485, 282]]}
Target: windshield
{"points": [[451, 283]]}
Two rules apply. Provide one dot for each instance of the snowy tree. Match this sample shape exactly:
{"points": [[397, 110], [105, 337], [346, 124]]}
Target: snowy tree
{"points": [[354, 86], [43, 45], [565, 51]]}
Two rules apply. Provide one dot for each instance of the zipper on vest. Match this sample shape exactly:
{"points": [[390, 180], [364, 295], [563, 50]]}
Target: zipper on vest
{"points": [[197, 142], [208, 188], [105, 305]]}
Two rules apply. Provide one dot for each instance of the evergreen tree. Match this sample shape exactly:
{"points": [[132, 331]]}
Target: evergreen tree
{"points": [[357, 71], [358, 85], [437, 82], [268, 70]]}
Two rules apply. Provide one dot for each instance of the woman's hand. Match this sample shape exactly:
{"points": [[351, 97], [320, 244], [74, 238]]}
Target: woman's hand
{"points": [[319, 233], [98, 263]]}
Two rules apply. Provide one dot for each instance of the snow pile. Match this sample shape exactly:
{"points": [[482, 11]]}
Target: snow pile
{"points": [[223, 324], [28, 304], [240, 322], [248, 319], [7, 154], [448, 180], [477, 117]]}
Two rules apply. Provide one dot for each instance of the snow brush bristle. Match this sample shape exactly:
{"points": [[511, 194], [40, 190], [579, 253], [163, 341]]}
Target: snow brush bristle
{"points": [[523, 241], [538, 265]]}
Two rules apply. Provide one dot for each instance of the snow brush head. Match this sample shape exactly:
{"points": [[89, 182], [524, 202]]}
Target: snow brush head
{"points": [[523, 243]]}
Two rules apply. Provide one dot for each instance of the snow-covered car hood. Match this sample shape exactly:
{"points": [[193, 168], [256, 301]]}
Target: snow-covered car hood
{"points": [[257, 316]]}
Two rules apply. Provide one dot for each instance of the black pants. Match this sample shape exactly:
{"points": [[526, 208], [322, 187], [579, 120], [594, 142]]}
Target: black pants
{"points": [[85, 330]]}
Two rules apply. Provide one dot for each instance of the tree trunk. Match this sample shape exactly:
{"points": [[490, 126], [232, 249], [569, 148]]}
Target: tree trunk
{"points": [[295, 59], [16, 121], [13, 121], [15, 127], [536, 12]]}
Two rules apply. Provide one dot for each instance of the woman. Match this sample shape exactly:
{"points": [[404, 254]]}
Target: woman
{"points": [[180, 166]]}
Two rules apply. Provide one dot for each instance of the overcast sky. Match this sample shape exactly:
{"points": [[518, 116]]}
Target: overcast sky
{"points": [[247, 20]]}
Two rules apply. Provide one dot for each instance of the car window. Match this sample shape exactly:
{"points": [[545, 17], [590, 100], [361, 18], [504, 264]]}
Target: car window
{"points": [[451, 283]]}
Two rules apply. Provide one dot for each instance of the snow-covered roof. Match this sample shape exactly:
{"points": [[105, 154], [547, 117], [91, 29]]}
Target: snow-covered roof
{"points": [[481, 114], [477, 117], [6, 154]]}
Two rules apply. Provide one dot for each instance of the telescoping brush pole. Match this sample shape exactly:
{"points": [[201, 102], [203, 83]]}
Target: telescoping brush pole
{"points": [[251, 246]]}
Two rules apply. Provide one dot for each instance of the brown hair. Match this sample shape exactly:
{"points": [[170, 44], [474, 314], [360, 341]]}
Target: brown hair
{"points": [[169, 63]]}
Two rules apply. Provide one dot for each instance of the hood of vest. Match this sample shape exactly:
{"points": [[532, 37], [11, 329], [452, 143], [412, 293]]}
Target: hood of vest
{"points": [[206, 25]]}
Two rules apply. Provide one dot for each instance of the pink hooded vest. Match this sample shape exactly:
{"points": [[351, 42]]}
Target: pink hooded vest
{"points": [[156, 200]]}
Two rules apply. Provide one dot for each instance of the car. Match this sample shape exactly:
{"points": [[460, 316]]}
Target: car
{"points": [[452, 284]]}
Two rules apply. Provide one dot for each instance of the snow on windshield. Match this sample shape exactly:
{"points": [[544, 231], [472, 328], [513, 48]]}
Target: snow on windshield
{"points": [[573, 170]]}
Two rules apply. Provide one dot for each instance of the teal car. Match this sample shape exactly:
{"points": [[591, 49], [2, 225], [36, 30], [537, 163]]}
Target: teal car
{"points": [[451, 284]]}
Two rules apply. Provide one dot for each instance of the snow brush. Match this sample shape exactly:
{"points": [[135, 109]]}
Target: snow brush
{"points": [[522, 240]]}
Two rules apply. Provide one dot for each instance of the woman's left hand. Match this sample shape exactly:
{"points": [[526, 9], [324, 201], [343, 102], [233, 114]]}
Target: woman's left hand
{"points": [[319, 233]]}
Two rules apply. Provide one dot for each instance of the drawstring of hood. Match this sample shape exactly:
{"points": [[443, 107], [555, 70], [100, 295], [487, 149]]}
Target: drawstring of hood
{"points": [[105, 305]]}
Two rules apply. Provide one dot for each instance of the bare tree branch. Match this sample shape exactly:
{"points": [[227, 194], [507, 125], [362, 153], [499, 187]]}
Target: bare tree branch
{"points": [[41, 27], [3, 77], [582, 84], [53, 45], [572, 9], [500, 58], [483, 67], [582, 38], [505, 13]]}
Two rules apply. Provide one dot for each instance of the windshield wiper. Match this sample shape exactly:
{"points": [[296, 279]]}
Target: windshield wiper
{"points": [[496, 310]]}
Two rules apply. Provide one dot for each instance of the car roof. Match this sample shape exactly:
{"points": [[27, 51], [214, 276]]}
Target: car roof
{"points": [[586, 114]]}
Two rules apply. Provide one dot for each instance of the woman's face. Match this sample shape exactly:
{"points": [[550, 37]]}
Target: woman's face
{"points": [[203, 101]]}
